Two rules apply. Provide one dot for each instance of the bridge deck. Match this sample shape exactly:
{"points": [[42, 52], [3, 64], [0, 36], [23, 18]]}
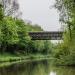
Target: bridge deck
{"points": [[46, 35]]}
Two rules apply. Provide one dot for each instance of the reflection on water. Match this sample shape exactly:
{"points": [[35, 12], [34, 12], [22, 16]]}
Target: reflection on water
{"points": [[36, 68], [52, 73]]}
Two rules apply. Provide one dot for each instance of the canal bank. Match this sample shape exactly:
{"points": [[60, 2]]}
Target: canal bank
{"points": [[11, 58]]}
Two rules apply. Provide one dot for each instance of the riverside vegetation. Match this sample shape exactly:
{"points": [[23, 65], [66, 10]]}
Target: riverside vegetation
{"points": [[15, 43], [65, 52]]}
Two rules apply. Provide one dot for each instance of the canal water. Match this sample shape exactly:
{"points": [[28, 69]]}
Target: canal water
{"points": [[36, 68]]}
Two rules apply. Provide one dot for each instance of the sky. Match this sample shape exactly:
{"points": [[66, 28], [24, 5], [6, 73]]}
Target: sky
{"points": [[41, 12]]}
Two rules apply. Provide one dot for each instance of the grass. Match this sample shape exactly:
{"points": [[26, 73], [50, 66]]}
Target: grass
{"points": [[6, 57]]}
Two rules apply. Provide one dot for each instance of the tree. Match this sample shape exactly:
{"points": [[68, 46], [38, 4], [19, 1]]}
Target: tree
{"points": [[11, 8], [9, 31], [1, 12], [66, 50]]}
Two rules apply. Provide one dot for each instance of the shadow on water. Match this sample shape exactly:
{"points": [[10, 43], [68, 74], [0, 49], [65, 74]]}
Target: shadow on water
{"points": [[36, 68]]}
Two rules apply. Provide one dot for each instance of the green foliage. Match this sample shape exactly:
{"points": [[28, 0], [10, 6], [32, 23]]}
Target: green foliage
{"points": [[65, 51], [14, 37], [1, 12]]}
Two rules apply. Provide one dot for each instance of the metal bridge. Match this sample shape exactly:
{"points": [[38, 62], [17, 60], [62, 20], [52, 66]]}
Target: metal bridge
{"points": [[53, 35]]}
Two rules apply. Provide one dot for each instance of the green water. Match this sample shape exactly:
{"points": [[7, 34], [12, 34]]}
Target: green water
{"points": [[36, 68]]}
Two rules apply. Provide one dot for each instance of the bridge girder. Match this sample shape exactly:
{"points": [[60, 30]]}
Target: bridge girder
{"points": [[46, 35]]}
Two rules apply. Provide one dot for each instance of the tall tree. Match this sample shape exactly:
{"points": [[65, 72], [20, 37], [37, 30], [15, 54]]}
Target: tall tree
{"points": [[11, 8], [1, 12]]}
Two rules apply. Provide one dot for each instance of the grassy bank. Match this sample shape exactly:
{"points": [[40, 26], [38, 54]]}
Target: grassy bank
{"points": [[7, 59], [11, 58]]}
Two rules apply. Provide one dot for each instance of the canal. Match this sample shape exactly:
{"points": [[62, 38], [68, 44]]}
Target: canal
{"points": [[36, 68]]}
